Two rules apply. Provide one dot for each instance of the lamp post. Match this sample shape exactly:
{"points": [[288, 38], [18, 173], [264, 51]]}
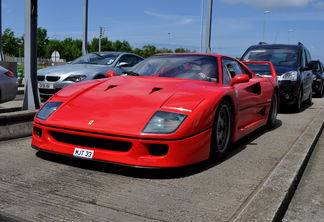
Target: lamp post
{"points": [[202, 26], [289, 31], [264, 23]]}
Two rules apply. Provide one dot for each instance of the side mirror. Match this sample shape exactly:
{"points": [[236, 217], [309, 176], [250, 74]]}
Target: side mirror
{"points": [[123, 64], [110, 73], [240, 79]]}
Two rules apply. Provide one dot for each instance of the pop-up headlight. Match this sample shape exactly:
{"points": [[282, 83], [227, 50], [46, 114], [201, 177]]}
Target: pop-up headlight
{"points": [[47, 110], [164, 122]]}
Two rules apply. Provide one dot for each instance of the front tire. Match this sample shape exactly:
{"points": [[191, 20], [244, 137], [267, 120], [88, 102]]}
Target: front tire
{"points": [[320, 93], [222, 130], [272, 117], [310, 98], [299, 101]]}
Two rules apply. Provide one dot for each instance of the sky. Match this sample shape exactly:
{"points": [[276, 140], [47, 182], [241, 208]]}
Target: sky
{"points": [[236, 24]]}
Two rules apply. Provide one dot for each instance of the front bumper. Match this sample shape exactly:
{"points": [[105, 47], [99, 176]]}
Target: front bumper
{"points": [[50, 88], [288, 91], [181, 152]]}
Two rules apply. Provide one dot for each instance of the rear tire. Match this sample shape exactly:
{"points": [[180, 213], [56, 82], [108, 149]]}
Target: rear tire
{"points": [[222, 130], [272, 117]]}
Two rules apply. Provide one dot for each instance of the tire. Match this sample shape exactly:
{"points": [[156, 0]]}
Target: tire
{"points": [[320, 93], [222, 130], [272, 117], [299, 101], [310, 98]]}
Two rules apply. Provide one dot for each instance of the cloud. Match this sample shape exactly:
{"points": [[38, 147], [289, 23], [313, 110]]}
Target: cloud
{"points": [[272, 4], [177, 19], [319, 5]]}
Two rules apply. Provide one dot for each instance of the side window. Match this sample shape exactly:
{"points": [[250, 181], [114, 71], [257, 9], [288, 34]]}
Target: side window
{"points": [[130, 59], [308, 56], [303, 59], [226, 75], [232, 66]]}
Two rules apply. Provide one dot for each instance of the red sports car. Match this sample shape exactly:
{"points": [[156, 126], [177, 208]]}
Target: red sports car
{"points": [[171, 110]]}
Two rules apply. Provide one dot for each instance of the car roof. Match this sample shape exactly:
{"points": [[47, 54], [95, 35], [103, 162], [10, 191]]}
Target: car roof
{"points": [[273, 46]]}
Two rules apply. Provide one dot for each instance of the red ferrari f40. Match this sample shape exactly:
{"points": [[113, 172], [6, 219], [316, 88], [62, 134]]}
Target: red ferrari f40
{"points": [[170, 110]]}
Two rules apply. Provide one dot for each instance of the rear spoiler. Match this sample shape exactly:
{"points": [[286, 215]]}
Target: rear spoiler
{"points": [[273, 71]]}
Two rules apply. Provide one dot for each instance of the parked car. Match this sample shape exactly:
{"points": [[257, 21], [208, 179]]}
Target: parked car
{"points": [[171, 110], [8, 85], [91, 66], [293, 67], [318, 78]]}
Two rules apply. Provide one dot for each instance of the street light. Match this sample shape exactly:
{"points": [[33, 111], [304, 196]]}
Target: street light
{"points": [[289, 31], [264, 22]]}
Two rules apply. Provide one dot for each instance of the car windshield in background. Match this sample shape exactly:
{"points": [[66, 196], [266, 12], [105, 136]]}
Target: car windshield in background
{"points": [[278, 57], [260, 69], [178, 66], [96, 58]]}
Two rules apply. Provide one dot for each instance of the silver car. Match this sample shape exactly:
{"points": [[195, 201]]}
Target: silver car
{"points": [[8, 85], [91, 66]]}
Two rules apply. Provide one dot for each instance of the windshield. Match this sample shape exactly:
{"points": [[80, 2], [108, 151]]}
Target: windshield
{"points": [[316, 67], [260, 69], [96, 58], [199, 67], [278, 57]]}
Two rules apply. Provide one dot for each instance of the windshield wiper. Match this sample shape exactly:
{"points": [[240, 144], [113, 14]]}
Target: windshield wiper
{"points": [[131, 73]]}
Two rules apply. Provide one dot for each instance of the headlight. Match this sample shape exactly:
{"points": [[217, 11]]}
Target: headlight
{"points": [[47, 110], [291, 75], [164, 122], [75, 78]]}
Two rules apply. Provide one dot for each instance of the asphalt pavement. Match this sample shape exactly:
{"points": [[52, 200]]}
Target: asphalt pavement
{"points": [[256, 182]]}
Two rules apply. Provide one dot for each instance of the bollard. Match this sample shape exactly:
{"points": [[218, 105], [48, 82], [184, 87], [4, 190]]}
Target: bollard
{"points": [[20, 76]]}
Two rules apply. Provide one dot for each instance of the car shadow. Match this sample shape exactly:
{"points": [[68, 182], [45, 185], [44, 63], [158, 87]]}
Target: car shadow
{"points": [[156, 173], [289, 109]]}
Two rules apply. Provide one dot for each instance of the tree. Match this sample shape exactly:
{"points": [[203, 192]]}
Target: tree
{"points": [[148, 50], [10, 44], [42, 41], [52, 46]]}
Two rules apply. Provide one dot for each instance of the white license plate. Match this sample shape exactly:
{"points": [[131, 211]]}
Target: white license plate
{"points": [[83, 153], [45, 86]]}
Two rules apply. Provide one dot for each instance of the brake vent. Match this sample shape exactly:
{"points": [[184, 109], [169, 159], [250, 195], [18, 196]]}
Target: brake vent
{"points": [[110, 87], [155, 89]]}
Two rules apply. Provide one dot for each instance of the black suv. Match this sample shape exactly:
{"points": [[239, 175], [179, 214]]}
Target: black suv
{"points": [[318, 78], [293, 67]]}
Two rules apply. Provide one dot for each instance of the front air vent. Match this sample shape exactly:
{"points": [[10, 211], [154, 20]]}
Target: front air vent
{"points": [[40, 78], [52, 78], [155, 89], [91, 142]]}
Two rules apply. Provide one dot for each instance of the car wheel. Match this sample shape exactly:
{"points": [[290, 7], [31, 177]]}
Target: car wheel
{"points": [[320, 93], [298, 103], [310, 98], [222, 130], [272, 117]]}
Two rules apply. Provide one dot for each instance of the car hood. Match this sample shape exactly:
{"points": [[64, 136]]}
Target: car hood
{"points": [[74, 69], [123, 105], [282, 69]]}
